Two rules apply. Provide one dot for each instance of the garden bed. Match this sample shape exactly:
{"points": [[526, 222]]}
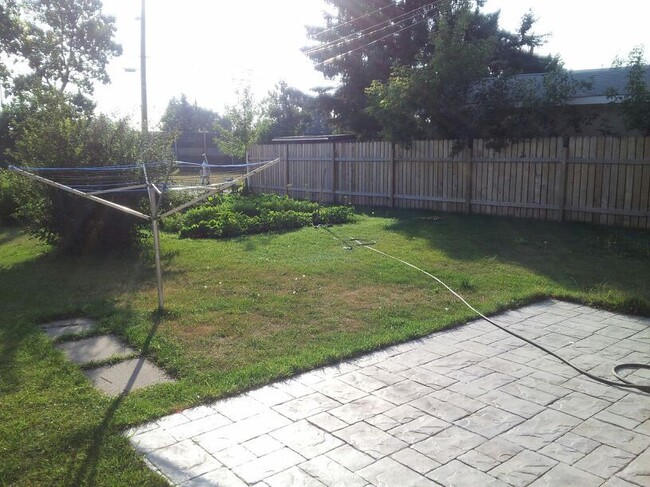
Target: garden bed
{"points": [[233, 214]]}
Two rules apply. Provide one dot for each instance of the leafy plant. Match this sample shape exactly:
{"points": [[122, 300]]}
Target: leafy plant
{"points": [[233, 214], [8, 202], [56, 134], [635, 103]]}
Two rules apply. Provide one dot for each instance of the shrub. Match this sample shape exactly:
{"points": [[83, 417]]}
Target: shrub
{"points": [[8, 198], [232, 215], [331, 215], [55, 134], [204, 229]]}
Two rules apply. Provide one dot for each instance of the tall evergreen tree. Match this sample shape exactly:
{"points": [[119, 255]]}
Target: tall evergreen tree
{"points": [[466, 87], [419, 68], [363, 42]]}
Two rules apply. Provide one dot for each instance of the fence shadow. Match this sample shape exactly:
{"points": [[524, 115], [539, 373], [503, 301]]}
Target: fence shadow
{"points": [[577, 255]]}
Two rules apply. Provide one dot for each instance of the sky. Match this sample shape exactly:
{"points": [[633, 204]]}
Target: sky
{"points": [[206, 49]]}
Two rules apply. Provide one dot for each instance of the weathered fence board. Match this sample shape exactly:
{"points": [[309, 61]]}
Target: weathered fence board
{"points": [[604, 180]]}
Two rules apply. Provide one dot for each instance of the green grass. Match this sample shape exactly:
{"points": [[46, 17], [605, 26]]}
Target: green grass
{"points": [[246, 311]]}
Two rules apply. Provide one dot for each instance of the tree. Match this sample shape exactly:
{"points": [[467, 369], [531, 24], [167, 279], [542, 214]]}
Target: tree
{"points": [[9, 32], [418, 70], [288, 111], [63, 44], [635, 102], [181, 116], [57, 134], [241, 125], [468, 86], [363, 42]]}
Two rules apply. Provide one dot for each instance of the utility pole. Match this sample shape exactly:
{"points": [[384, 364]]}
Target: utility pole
{"points": [[143, 71], [151, 189]]}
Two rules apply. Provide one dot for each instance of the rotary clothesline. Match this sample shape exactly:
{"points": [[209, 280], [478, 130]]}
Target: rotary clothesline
{"points": [[145, 182], [98, 179]]}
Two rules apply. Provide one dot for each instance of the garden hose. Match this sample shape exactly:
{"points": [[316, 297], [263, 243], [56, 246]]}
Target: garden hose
{"points": [[349, 242]]}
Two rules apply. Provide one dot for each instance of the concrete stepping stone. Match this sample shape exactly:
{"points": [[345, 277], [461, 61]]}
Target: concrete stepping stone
{"points": [[70, 326], [126, 376], [122, 377], [95, 349]]}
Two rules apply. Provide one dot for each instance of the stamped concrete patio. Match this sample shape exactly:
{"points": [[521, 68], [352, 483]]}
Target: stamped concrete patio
{"points": [[471, 406]]}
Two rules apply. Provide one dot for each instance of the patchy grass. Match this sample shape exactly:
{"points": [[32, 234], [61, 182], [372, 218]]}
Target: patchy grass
{"points": [[246, 311]]}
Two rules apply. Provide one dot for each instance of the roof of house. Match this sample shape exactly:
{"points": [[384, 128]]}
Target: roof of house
{"points": [[596, 84], [300, 139]]}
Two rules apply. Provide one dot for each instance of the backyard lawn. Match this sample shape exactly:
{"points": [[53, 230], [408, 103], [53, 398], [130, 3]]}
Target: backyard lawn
{"points": [[246, 311]]}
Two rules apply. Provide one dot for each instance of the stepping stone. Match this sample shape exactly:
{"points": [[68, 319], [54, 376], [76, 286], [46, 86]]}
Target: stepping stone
{"points": [[70, 326], [126, 376], [95, 349]]}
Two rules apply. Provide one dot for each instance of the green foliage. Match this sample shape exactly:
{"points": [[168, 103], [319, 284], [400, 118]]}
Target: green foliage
{"points": [[8, 197], [331, 215], [56, 134], [468, 86], [425, 79], [58, 43], [232, 215], [181, 116], [635, 102], [240, 128], [287, 111], [347, 52]]}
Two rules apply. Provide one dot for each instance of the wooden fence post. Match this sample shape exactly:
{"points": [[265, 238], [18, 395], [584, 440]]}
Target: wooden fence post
{"points": [[468, 177], [334, 172], [286, 169], [391, 175], [563, 176]]}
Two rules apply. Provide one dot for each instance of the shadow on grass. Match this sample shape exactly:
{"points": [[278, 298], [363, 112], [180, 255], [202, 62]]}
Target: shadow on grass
{"points": [[9, 234], [86, 473], [81, 436], [577, 256]]}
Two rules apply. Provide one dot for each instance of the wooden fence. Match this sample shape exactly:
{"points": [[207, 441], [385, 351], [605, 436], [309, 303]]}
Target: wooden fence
{"points": [[603, 180]]}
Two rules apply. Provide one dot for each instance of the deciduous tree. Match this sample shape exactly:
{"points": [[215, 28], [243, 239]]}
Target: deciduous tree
{"points": [[420, 73], [288, 111], [635, 102], [60, 44], [182, 116], [468, 85], [241, 125]]}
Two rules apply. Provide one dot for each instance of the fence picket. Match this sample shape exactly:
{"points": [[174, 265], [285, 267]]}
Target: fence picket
{"points": [[603, 180]]}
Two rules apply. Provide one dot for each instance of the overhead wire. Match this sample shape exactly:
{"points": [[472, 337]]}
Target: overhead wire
{"points": [[339, 56], [351, 21], [371, 30]]}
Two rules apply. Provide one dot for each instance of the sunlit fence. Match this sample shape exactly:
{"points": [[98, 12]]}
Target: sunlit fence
{"points": [[604, 180]]}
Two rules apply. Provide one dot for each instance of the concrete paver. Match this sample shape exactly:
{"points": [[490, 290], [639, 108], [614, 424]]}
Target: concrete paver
{"points": [[463, 407], [72, 326], [126, 376], [95, 349]]}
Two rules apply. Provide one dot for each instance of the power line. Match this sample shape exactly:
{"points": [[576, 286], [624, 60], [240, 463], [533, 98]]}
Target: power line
{"points": [[374, 29], [339, 56], [367, 14]]}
